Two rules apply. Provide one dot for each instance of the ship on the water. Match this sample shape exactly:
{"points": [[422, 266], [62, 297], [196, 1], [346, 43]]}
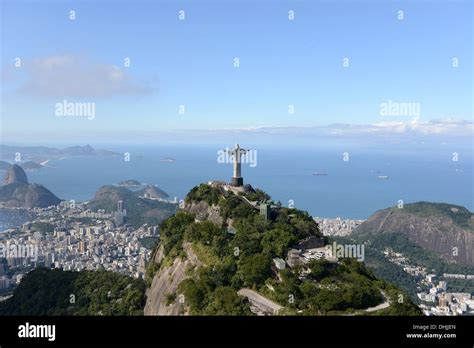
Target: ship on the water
{"points": [[383, 176]]}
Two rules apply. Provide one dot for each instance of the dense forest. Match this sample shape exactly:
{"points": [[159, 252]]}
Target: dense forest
{"points": [[58, 292]]}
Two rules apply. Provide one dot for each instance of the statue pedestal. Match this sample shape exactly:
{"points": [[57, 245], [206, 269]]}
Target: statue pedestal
{"points": [[237, 181]]}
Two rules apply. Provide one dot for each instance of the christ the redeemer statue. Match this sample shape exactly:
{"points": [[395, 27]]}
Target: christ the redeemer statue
{"points": [[237, 152]]}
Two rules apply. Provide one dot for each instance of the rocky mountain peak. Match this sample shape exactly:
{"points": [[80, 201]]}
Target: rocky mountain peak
{"points": [[15, 174]]}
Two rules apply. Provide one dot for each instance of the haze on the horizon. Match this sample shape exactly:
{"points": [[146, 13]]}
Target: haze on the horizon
{"points": [[189, 64]]}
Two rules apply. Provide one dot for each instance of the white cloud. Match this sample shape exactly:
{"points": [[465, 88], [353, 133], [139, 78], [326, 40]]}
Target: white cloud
{"points": [[434, 127], [449, 127], [74, 76]]}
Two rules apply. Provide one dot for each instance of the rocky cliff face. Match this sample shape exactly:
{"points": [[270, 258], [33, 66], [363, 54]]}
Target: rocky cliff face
{"points": [[446, 230], [166, 281], [204, 211], [169, 277]]}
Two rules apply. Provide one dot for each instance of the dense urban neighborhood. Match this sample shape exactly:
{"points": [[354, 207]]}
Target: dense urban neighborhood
{"points": [[74, 238], [435, 299]]}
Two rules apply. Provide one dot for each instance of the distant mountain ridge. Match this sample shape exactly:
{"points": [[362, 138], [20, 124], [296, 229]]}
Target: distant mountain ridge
{"points": [[445, 229], [42, 153], [139, 210], [86, 150], [151, 191], [30, 166], [17, 192], [27, 166]]}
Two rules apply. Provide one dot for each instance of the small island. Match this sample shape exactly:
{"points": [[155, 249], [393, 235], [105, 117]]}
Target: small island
{"points": [[129, 183]]}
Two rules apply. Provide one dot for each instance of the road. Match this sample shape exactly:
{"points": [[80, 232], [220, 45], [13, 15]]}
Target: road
{"points": [[259, 301], [383, 305]]}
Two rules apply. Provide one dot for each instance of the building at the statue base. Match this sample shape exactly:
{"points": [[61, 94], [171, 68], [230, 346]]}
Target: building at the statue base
{"points": [[229, 186]]}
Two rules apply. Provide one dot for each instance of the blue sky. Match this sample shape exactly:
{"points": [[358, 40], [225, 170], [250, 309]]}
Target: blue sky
{"points": [[190, 63]]}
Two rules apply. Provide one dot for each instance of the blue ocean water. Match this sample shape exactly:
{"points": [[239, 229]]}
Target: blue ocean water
{"points": [[351, 189]]}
